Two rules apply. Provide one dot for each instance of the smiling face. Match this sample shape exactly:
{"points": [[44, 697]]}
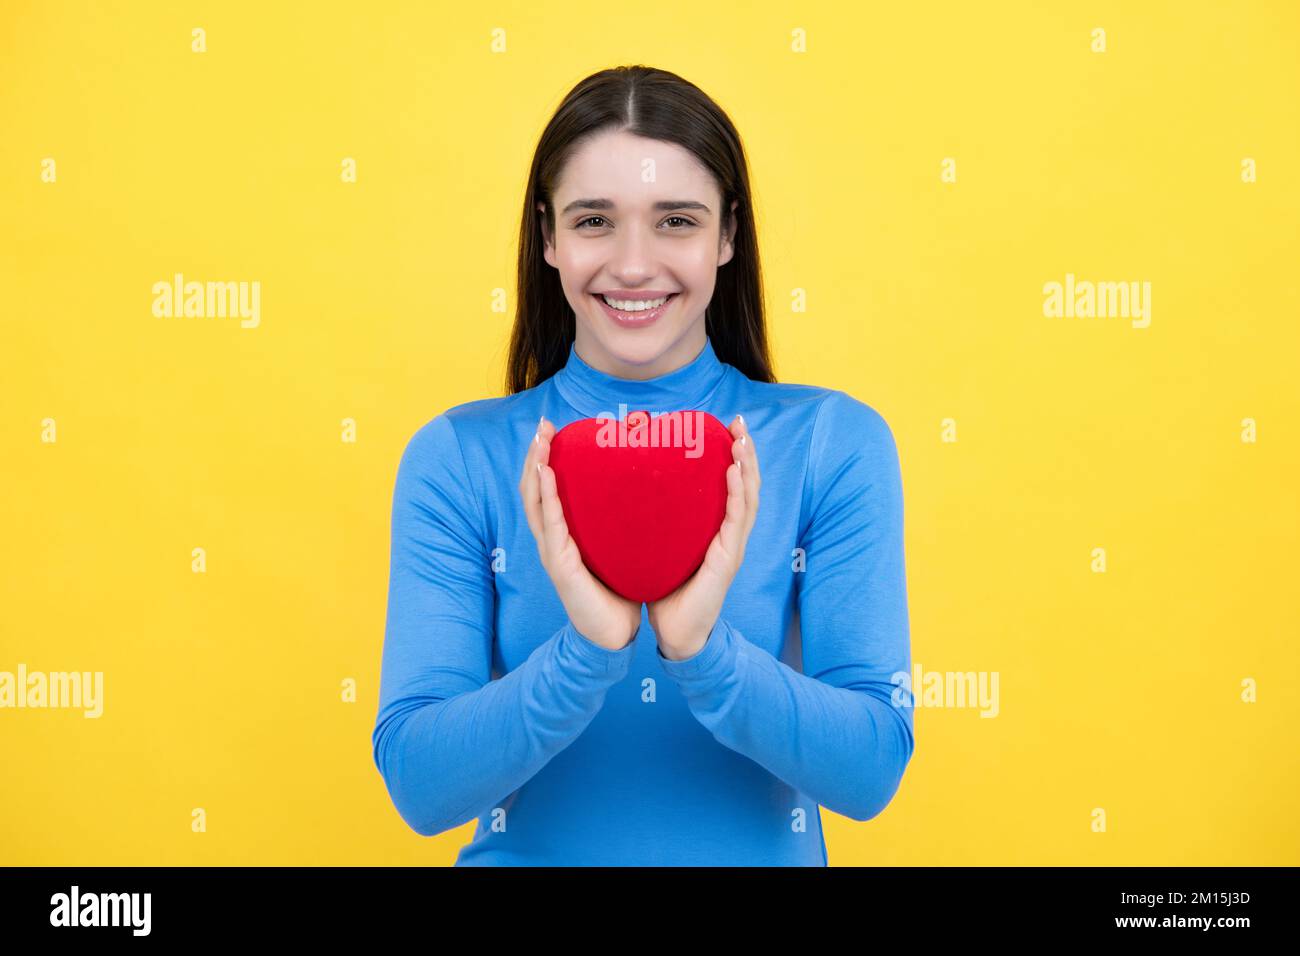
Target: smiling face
{"points": [[638, 242]]}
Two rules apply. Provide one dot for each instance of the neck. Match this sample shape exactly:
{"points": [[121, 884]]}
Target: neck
{"points": [[680, 353], [684, 378]]}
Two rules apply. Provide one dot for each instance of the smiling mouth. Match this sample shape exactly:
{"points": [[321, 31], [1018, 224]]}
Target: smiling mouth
{"points": [[614, 301], [634, 317]]}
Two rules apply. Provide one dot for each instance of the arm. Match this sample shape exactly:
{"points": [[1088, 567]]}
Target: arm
{"points": [[449, 742], [831, 732]]}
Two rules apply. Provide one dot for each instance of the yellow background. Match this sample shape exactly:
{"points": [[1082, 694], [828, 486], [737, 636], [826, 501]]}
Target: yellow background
{"points": [[1118, 690]]}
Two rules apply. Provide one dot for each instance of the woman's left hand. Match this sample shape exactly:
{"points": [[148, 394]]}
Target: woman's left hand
{"points": [[683, 620]]}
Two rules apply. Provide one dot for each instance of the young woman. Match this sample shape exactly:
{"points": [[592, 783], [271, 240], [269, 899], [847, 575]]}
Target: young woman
{"points": [[579, 727]]}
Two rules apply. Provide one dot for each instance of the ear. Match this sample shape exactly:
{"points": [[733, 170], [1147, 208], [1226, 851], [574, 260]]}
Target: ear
{"points": [[727, 249], [548, 240]]}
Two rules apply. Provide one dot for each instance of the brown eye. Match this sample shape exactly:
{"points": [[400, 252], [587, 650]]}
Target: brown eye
{"points": [[589, 219]]}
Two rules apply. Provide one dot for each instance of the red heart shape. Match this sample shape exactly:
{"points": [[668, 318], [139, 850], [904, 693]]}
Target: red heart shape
{"points": [[644, 497]]}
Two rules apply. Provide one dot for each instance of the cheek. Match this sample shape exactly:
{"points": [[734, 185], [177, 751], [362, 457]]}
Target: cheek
{"points": [[699, 286], [581, 261], [697, 266]]}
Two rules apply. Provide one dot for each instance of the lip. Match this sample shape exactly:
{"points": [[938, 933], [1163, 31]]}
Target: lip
{"points": [[636, 320], [636, 295]]}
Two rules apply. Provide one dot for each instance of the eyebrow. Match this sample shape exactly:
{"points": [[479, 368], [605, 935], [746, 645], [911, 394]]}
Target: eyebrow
{"points": [[664, 205]]}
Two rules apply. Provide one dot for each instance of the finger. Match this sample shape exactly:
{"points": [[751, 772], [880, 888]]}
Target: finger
{"points": [[554, 528], [528, 488], [744, 452], [732, 532], [751, 450], [530, 481], [743, 447], [530, 455]]}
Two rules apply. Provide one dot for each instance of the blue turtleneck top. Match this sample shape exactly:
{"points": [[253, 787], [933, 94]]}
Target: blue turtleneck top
{"points": [[493, 707]]}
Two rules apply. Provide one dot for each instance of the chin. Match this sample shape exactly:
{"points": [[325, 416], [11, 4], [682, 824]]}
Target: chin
{"points": [[635, 353], [635, 347]]}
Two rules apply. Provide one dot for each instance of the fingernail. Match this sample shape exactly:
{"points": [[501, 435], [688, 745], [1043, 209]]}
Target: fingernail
{"points": [[741, 417], [539, 469], [537, 438], [743, 441]]}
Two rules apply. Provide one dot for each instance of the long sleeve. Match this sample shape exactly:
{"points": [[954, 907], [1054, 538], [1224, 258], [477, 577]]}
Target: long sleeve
{"points": [[832, 732], [449, 741]]}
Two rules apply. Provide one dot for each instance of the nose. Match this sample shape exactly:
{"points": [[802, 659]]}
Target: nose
{"points": [[633, 255]]}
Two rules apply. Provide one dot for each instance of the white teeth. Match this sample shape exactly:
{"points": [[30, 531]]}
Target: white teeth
{"points": [[635, 305]]}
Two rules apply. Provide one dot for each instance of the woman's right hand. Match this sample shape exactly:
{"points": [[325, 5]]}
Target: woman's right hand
{"points": [[597, 613]]}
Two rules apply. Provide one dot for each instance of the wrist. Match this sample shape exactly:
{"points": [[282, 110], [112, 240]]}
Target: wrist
{"points": [[610, 642], [682, 650]]}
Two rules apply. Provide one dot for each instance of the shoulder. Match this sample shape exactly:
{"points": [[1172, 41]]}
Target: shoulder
{"points": [[834, 418], [852, 449], [787, 409], [853, 465], [842, 417], [451, 430]]}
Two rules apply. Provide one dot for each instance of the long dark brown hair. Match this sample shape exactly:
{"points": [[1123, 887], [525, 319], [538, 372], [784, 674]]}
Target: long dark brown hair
{"points": [[658, 105]]}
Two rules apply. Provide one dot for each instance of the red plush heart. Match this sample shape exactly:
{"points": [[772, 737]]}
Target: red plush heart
{"points": [[643, 497]]}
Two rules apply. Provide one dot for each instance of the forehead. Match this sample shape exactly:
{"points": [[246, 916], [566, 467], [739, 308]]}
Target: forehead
{"points": [[632, 169]]}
